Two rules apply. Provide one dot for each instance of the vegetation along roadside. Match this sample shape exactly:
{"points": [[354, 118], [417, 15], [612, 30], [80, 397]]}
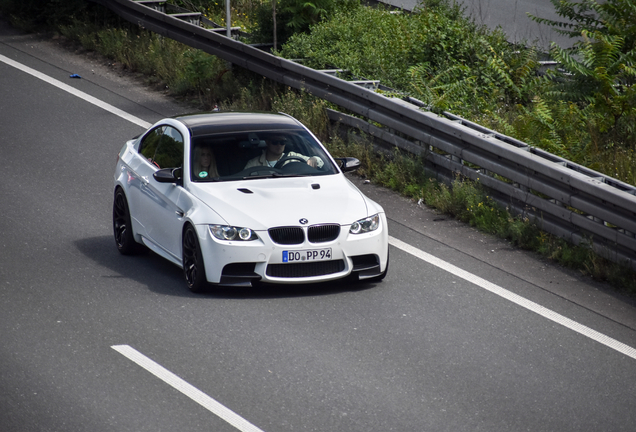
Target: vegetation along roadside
{"points": [[494, 84]]}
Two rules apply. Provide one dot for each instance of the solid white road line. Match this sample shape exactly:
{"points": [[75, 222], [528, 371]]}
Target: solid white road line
{"points": [[523, 302], [80, 94], [190, 391], [534, 307]]}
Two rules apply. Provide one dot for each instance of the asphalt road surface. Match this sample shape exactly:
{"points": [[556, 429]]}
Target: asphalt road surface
{"points": [[465, 333]]}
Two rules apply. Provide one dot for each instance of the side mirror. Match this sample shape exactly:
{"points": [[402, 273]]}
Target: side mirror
{"points": [[349, 164], [168, 175]]}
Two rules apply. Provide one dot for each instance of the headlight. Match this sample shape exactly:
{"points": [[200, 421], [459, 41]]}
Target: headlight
{"points": [[365, 225], [225, 232]]}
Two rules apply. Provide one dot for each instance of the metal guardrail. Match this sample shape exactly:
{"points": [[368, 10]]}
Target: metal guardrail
{"points": [[565, 199]]}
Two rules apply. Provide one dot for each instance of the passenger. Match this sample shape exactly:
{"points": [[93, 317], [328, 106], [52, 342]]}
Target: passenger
{"points": [[204, 166], [276, 151]]}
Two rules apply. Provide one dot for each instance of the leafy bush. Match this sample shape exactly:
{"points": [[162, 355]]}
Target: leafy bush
{"points": [[598, 75], [379, 44], [294, 16]]}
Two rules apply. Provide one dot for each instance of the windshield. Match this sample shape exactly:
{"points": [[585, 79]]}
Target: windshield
{"points": [[252, 155]]}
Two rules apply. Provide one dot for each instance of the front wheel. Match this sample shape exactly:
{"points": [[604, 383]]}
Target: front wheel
{"points": [[122, 227], [193, 268]]}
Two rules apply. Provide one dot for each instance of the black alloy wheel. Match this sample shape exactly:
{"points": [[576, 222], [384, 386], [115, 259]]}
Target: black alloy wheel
{"points": [[122, 227], [193, 268]]}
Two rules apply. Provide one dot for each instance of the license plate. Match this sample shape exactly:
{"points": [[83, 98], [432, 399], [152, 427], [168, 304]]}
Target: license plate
{"points": [[307, 255]]}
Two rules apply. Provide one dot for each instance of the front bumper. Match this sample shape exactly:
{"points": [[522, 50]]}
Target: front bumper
{"points": [[240, 263]]}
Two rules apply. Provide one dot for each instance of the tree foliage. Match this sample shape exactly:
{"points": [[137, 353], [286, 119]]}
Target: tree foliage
{"points": [[295, 16], [598, 72], [437, 54], [384, 45]]}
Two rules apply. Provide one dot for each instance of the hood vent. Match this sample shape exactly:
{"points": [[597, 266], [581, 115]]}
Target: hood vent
{"points": [[245, 190]]}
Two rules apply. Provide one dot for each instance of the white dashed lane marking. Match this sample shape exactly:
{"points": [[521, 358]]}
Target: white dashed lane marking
{"points": [[187, 389]]}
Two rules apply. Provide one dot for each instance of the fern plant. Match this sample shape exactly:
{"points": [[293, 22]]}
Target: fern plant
{"points": [[599, 71], [306, 13], [495, 82]]}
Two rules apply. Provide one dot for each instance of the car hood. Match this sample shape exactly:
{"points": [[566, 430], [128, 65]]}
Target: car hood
{"points": [[265, 203]]}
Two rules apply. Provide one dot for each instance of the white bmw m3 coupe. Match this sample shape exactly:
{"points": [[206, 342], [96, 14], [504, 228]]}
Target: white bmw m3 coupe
{"points": [[239, 198]]}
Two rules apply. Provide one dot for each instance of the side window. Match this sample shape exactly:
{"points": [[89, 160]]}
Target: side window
{"points": [[164, 147], [150, 144], [170, 151]]}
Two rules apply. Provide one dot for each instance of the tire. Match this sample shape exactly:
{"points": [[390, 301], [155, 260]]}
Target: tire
{"points": [[122, 227], [193, 267]]}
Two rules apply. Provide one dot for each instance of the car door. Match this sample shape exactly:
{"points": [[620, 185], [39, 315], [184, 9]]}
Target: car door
{"points": [[160, 213]]}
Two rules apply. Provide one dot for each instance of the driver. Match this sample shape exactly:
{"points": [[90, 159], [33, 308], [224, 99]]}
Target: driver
{"points": [[275, 151]]}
